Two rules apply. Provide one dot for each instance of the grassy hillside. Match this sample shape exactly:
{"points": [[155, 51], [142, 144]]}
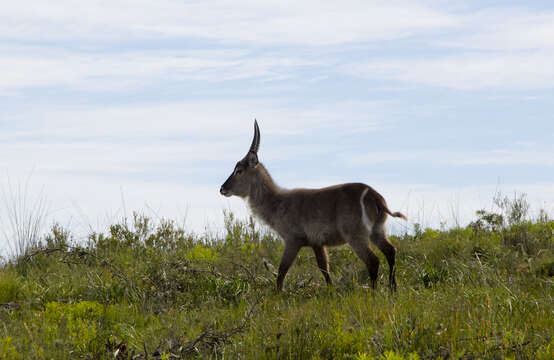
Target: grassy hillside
{"points": [[153, 291]]}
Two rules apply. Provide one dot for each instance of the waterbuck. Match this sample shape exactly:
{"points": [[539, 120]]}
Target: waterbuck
{"points": [[350, 213]]}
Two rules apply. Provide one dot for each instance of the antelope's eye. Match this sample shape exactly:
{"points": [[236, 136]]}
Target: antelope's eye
{"points": [[238, 172]]}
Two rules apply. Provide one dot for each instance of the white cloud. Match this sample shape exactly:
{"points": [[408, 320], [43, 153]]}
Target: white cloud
{"points": [[27, 67], [512, 29], [171, 141], [543, 158], [470, 71], [198, 118], [268, 22], [500, 48], [521, 155], [504, 48]]}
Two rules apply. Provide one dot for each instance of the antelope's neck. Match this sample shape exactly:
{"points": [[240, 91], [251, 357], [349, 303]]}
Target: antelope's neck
{"points": [[265, 197]]}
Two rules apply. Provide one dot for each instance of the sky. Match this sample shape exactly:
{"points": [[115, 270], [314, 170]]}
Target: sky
{"points": [[112, 107]]}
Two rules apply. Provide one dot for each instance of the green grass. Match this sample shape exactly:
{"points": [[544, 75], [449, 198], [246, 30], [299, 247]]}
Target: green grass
{"points": [[155, 290]]}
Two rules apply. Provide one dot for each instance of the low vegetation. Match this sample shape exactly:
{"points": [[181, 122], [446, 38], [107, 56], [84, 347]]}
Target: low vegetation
{"points": [[149, 290]]}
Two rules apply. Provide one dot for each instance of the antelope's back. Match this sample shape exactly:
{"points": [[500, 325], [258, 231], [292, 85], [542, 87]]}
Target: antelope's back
{"points": [[325, 215]]}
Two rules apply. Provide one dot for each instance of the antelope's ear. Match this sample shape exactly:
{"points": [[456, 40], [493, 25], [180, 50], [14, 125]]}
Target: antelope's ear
{"points": [[251, 159]]}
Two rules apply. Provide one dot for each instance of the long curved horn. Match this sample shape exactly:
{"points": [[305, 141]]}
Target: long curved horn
{"points": [[256, 141]]}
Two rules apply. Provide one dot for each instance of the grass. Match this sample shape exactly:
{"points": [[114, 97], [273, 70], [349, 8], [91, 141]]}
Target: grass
{"points": [[24, 214], [153, 291]]}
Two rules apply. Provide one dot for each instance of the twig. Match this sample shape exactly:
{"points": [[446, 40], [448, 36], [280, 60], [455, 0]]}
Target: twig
{"points": [[46, 251], [250, 275], [214, 338], [10, 306], [145, 351], [269, 267], [80, 252]]}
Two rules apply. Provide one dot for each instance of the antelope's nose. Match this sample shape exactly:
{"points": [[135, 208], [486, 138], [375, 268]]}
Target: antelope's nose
{"points": [[222, 191]]}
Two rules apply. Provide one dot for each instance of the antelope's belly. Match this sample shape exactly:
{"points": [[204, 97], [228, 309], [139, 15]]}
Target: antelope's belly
{"points": [[323, 236]]}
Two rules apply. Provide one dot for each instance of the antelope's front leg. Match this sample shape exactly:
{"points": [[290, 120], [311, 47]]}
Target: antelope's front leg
{"points": [[323, 262], [291, 250]]}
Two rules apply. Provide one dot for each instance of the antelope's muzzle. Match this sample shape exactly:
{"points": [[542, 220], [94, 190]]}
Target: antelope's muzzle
{"points": [[224, 191]]}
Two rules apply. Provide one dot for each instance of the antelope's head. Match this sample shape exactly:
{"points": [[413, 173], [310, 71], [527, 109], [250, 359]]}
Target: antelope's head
{"points": [[240, 181]]}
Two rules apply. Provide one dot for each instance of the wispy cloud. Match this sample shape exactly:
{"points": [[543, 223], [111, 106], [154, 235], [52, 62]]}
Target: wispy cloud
{"points": [[493, 48], [508, 48], [543, 157], [469, 71], [177, 139], [267, 22], [36, 67], [510, 29], [188, 119]]}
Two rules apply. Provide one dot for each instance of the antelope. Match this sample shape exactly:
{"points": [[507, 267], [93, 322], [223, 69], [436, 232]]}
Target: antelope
{"points": [[352, 213]]}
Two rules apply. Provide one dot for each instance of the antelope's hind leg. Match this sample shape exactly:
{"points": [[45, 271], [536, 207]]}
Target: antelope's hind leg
{"points": [[360, 245], [379, 238], [323, 262]]}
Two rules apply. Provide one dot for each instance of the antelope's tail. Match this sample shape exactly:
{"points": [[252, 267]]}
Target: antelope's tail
{"points": [[395, 214]]}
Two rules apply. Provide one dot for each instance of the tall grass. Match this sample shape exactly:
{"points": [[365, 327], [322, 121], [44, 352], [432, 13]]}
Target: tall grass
{"points": [[24, 217], [148, 289]]}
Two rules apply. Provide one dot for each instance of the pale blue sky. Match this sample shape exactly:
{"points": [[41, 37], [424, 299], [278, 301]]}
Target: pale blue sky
{"points": [[433, 103]]}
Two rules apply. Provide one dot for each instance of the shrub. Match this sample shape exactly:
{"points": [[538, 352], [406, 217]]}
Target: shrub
{"points": [[10, 287], [84, 325], [8, 351], [201, 253], [546, 268]]}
